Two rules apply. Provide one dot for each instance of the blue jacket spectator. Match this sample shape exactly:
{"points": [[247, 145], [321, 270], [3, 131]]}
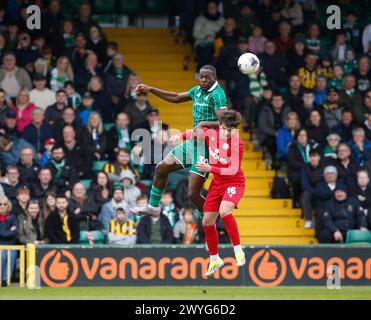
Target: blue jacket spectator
{"points": [[10, 150], [285, 135], [38, 135], [361, 148]]}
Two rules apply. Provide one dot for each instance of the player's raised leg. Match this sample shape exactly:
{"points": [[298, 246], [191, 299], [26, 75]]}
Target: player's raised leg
{"points": [[226, 210], [195, 184], [212, 241]]}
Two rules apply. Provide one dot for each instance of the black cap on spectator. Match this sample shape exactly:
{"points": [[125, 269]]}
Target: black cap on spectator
{"points": [[151, 110], [10, 114]]}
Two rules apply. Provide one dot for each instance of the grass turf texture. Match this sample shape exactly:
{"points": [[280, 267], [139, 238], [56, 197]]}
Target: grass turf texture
{"points": [[184, 293]]}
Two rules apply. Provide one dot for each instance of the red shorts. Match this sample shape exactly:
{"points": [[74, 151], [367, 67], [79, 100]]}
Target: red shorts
{"points": [[232, 192]]}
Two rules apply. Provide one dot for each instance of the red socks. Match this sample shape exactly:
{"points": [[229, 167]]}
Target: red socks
{"points": [[212, 239], [232, 229]]}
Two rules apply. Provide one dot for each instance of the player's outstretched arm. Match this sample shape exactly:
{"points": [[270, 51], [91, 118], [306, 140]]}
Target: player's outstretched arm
{"points": [[169, 96]]}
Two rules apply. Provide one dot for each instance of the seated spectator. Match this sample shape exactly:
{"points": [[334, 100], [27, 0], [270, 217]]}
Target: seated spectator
{"points": [[122, 163], [95, 139], [293, 12], [84, 21], [121, 229], [362, 74], [351, 97], [8, 234], [73, 97], [297, 158], [361, 148], [142, 201], [346, 166], [9, 128], [84, 207], [62, 73], [119, 135], [31, 228], [325, 189], [257, 40], [61, 226], [76, 153], [10, 150], [339, 49], [86, 72], [68, 119], [341, 214], [338, 78], [129, 96], [154, 230], [53, 113], [4, 108], [366, 108], [332, 108], [345, 127], [22, 198], [325, 67], [308, 73], [23, 110], [205, 28], [112, 49], [64, 174], [41, 96], [10, 69], [47, 154], [284, 42], [102, 100], [331, 149], [108, 211], [11, 182], [101, 189], [168, 208], [317, 130], [43, 184], [97, 43], [294, 95], [41, 67], [27, 166], [26, 54], [38, 131], [79, 52], [367, 125], [138, 110], [246, 19], [352, 30], [271, 22], [48, 204], [310, 175], [286, 134], [296, 56], [132, 192], [185, 230], [86, 109], [116, 78], [271, 118], [320, 90]]}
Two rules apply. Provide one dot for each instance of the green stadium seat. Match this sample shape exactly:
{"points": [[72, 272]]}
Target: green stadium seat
{"points": [[108, 126], [86, 183], [358, 236], [105, 7], [157, 6], [98, 237], [98, 165], [130, 6]]}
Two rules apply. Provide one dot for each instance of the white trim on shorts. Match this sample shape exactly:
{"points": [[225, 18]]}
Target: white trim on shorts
{"points": [[181, 163]]}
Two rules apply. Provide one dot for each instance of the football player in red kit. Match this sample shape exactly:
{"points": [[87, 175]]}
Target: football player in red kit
{"points": [[228, 186]]}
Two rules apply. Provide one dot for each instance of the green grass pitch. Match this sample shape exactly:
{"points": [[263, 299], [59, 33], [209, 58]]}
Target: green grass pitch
{"points": [[184, 293]]}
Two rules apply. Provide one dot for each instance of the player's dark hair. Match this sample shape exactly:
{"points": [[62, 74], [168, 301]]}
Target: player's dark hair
{"points": [[231, 118], [209, 68]]}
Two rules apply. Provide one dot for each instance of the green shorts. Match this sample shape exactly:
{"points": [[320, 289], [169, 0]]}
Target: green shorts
{"points": [[191, 152]]}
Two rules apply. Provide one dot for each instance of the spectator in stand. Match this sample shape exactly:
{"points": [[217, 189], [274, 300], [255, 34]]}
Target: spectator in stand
{"points": [[112, 49], [346, 166], [84, 208], [297, 158], [271, 119], [62, 73], [43, 184], [257, 40], [8, 233], [285, 135], [341, 214], [313, 41], [185, 230], [271, 23], [23, 110], [325, 189], [76, 153], [246, 20], [338, 78], [64, 175], [325, 67], [296, 56], [129, 96], [61, 226], [320, 90], [338, 51], [308, 73], [350, 63], [294, 95], [31, 228], [361, 148], [274, 65], [21, 201], [367, 124], [351, 97], [41, 96], [155, 230], [101, 189], [317, 130], [86, 109], [366, 108], [168, 208], [84, 21], [345, 127], [119, 135], [52, 18], [293, 12], [79, 52], [284, 42], [153, 123], [109, 208], [310, 175], [102, 101], [38, 131], [138, 110], [116, 78], [4, 108], [95, 139], [366, 37], [73, 97], [48, 204], [9, 128], [226, 36], [25, 53], [10, 150], [84, 73], [352, 30], [362, 193], [132, 192], [27, 166], [362, 74], [47, 154], [204, 30], [330, 150], [121, 229], [53, 113], [306, 106], [332, 109], [97, 43]]}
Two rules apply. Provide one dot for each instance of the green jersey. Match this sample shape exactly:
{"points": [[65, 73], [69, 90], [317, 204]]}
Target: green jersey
{"points": [[205, 103]]}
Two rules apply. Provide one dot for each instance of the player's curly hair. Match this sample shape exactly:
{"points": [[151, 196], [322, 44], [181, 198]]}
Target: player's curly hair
{"points": [[231, 118]]}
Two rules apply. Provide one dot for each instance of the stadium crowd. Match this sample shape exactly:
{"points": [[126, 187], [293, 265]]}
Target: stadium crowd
{"points": [[71, 172]]}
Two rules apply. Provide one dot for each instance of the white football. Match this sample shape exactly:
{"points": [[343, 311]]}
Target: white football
{"points": [[248, 63]]}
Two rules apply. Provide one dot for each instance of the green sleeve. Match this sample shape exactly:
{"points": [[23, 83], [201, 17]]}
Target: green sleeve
{"points": [[219, 101], [192, 91]]}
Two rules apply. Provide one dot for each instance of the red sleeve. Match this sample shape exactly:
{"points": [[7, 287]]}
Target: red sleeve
{"points": [[234, 164]]}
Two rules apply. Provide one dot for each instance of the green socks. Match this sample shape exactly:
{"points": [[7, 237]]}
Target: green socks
{"points": [[155, 197]]}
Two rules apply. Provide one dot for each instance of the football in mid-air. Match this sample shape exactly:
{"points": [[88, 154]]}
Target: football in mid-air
{"points": [[248, 63]]}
